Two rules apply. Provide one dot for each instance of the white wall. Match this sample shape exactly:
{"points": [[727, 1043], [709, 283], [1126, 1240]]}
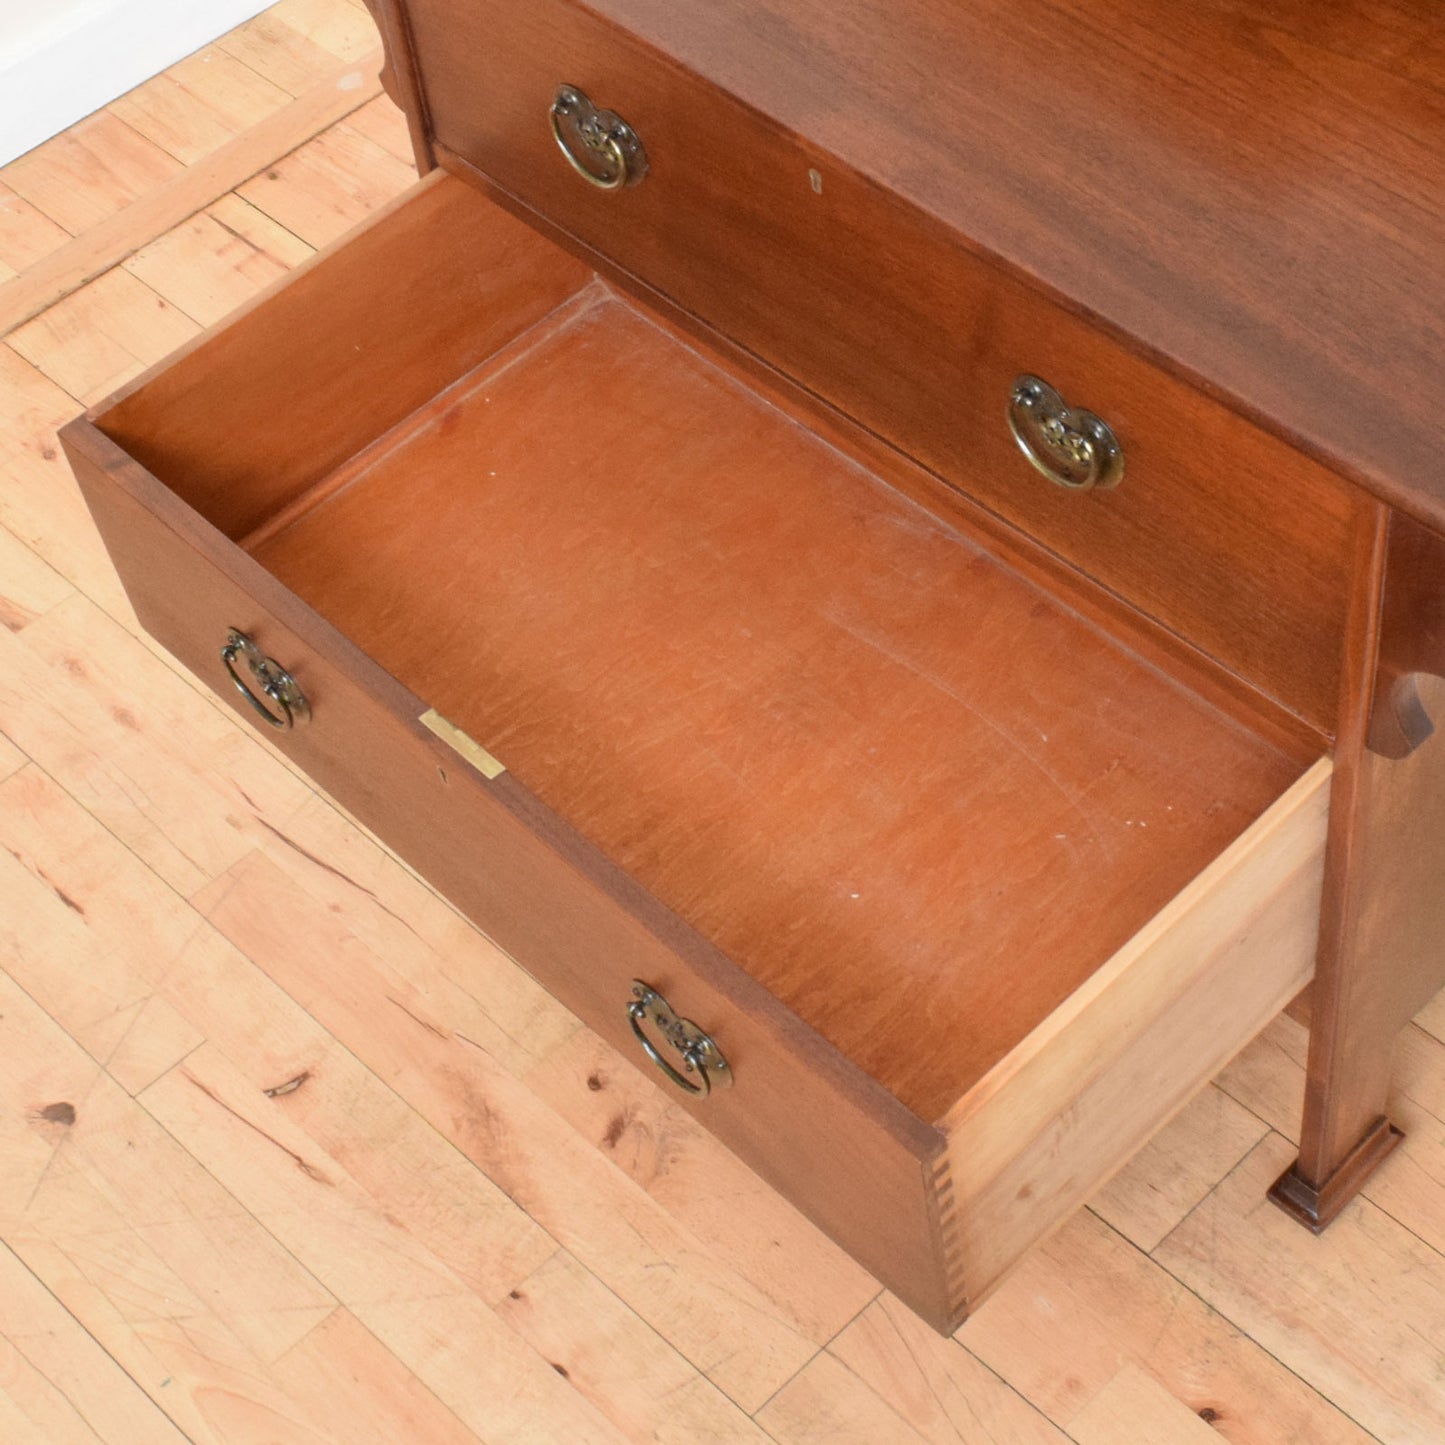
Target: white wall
{"points": [[62, 59]]}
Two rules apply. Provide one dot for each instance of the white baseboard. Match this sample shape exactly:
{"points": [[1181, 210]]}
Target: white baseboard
{"points": [[63, 59]]}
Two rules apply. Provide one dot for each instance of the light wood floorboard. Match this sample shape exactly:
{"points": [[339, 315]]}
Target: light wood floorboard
{"points": [[290, 1153]]}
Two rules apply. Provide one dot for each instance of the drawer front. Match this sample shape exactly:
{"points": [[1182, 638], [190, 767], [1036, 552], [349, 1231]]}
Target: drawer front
{"points": [[1223, 534], [822, 1133]]}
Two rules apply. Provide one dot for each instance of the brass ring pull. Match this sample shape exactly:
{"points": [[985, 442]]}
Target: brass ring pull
{"points": [[1070, 446], [276, 683], [702, 1062], [599, 145]]}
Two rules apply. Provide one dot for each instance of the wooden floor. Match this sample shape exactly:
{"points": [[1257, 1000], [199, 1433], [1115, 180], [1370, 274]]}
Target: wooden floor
{"points": [[289, 1153]]}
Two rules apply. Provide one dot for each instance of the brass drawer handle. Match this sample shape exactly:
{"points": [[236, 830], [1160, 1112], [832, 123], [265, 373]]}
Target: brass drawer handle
{"points": [[599, 145], [276, 683], [1070, 446], [701, 1058]]}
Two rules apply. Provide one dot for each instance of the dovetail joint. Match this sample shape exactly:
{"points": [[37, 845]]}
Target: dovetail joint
{"points": [[947, 1219]]}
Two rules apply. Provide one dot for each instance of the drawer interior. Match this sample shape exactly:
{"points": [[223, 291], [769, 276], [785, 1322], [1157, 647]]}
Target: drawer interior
{"points": [[914, 796]]}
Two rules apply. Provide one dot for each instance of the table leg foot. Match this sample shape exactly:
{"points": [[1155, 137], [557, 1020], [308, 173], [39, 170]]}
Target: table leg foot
{"points": [[1316, 1205]]}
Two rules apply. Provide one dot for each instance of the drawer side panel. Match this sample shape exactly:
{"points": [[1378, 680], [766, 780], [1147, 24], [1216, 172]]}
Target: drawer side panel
{"points": [[279, 395], [1041, 1132]]}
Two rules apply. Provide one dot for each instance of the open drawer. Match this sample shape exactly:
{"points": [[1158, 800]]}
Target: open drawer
{"points": [[660, 688]]}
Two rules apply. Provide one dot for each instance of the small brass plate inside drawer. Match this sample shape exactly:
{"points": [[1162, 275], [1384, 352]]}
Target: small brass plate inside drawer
{"points": [[458, 741]]}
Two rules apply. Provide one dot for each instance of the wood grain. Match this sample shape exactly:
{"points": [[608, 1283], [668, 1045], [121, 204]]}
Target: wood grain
{"points": [[379, 330], [423, 1313], [825, 1401], [92, 965], [1248, 236], [455, 1218], [181, 985], [937, 1386], [85, 175], [295, 56], [137, 1240], [342, 30], [889, 315], [400, 77], [1177, 1168], [342, 1375], [647, 736], [1246, 1272], [422, 937], [199, 104], [28, 586], [146, 752], [584, 1330], [1121, 1319], [218, 259], [705, 527], [1088, 1297], [329, 185], [1382, 900], [380, 121], [1168, 651], [806, 1096], [40, 502], [725, 1327], [59, 1386], [109, 239], [11, 758], [27, 235], [657, 1144], [1269, 1079], [1046, 1126], [102, 335], [1134, 1406]]}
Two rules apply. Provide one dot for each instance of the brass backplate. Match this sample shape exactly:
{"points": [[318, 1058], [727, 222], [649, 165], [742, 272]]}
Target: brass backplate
{"points": [[460, 743]]}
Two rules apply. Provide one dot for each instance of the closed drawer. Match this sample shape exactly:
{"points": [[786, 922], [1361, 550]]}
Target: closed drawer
{"points": [[1220, 532], [947, 874]]}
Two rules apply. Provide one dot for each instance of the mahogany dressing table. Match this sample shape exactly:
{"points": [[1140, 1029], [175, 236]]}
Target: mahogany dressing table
{"points": [[893, 555]]}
